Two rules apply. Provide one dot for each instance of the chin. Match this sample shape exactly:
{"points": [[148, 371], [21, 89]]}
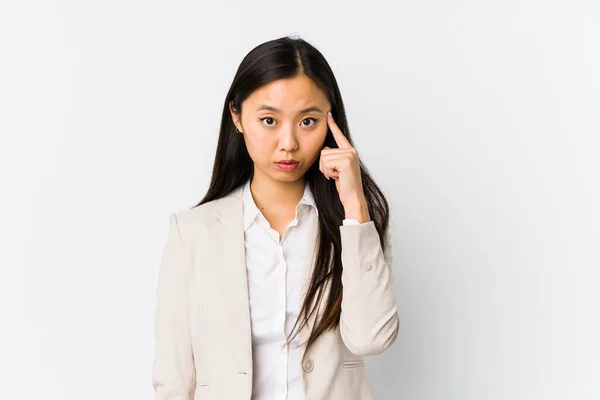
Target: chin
{"points": [[287, 177]]}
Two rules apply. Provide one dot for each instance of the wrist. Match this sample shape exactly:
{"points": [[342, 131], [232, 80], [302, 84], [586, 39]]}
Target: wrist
{"points": [[357, 209]]}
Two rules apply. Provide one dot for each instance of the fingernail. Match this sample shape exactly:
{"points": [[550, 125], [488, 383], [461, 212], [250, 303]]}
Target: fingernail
{"points": [[329, 113]]}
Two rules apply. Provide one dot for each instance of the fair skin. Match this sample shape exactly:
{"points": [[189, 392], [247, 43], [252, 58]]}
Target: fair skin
{"points": [[296, 129]]}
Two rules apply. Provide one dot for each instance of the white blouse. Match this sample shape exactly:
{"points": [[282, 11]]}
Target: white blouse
{"points": [[274, 277]]}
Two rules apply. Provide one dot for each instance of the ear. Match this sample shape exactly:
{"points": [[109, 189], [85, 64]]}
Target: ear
{"points": [[235, 116]]}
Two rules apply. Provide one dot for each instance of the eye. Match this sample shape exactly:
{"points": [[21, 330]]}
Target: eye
{"points": [[310, 119], [267, 118]]}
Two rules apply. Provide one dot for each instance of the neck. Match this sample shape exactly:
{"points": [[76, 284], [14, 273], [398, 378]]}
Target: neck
{"points": [[271, 194]]}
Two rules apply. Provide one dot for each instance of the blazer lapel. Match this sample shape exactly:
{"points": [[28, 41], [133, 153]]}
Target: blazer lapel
{"points": [[230, 252]]}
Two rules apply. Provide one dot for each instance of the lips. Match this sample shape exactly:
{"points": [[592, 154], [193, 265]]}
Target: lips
{"points": [[287, 165]]}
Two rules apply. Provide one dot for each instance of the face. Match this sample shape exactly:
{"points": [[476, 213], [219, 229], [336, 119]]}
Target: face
{"points": [[284, 124]]}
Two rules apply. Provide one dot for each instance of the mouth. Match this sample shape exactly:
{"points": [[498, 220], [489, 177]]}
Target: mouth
{"points": [[287, 165]]}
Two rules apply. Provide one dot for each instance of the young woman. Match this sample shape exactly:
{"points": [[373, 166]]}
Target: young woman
{"points": [[279, 282]]}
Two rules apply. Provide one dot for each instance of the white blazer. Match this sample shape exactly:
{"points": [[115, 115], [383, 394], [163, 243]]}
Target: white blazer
{"points": [[203, 342]]}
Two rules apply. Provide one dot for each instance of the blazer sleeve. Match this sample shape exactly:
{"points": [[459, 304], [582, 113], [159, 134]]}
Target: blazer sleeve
{"points": [[173, 371], [369, 320]]}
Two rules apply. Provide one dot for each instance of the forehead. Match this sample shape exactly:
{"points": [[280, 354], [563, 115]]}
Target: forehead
{"points": [[288, 95]]}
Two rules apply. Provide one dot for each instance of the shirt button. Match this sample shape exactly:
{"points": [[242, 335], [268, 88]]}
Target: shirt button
{"points": [[367, 266], [308, 365]]}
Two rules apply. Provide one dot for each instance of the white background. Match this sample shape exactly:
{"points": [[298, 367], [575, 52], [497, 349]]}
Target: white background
{"points": [[480, 120]]}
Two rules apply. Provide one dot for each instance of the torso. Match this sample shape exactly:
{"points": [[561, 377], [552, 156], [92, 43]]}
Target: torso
{"points": [[276, 244]]}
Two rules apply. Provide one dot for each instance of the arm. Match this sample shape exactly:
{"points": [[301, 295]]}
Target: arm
{"points": [[173, 372], [369, 318]]}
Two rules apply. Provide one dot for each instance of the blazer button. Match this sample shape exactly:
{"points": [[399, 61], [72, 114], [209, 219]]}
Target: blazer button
{"points": [[367, 266], [308, 365]]}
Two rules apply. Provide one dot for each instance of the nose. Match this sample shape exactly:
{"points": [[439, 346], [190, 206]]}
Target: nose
{"points": [[287, 139]]}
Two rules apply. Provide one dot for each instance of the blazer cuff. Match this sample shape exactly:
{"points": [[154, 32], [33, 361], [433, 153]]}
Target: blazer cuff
{"points": [[361, 250]]}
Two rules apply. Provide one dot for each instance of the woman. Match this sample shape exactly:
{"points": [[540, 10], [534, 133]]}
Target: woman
{"points": [[279, 282]]}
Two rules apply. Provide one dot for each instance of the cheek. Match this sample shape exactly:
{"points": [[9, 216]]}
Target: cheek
{"points": [[315, 144], [259, 145]]}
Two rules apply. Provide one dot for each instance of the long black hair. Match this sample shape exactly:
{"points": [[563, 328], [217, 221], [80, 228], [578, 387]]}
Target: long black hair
{"points": [[282, 58]]}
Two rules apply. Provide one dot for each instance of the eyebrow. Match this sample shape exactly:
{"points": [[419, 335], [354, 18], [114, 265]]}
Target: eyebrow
{"points": [[269, 108]]}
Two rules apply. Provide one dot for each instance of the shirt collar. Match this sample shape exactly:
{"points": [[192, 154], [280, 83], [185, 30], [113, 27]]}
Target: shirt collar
{"points": [[251, 211]]}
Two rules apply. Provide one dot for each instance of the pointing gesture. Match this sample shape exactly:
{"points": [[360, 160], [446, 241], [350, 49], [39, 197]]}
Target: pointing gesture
{"points": [[342, 164], [339, 137]]}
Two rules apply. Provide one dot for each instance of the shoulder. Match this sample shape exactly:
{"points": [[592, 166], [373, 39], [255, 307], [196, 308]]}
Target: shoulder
{"points": [[192, 221]]}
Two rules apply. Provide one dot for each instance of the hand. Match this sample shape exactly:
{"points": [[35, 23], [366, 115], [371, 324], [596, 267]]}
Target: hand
{"points": [[342, 164]]}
